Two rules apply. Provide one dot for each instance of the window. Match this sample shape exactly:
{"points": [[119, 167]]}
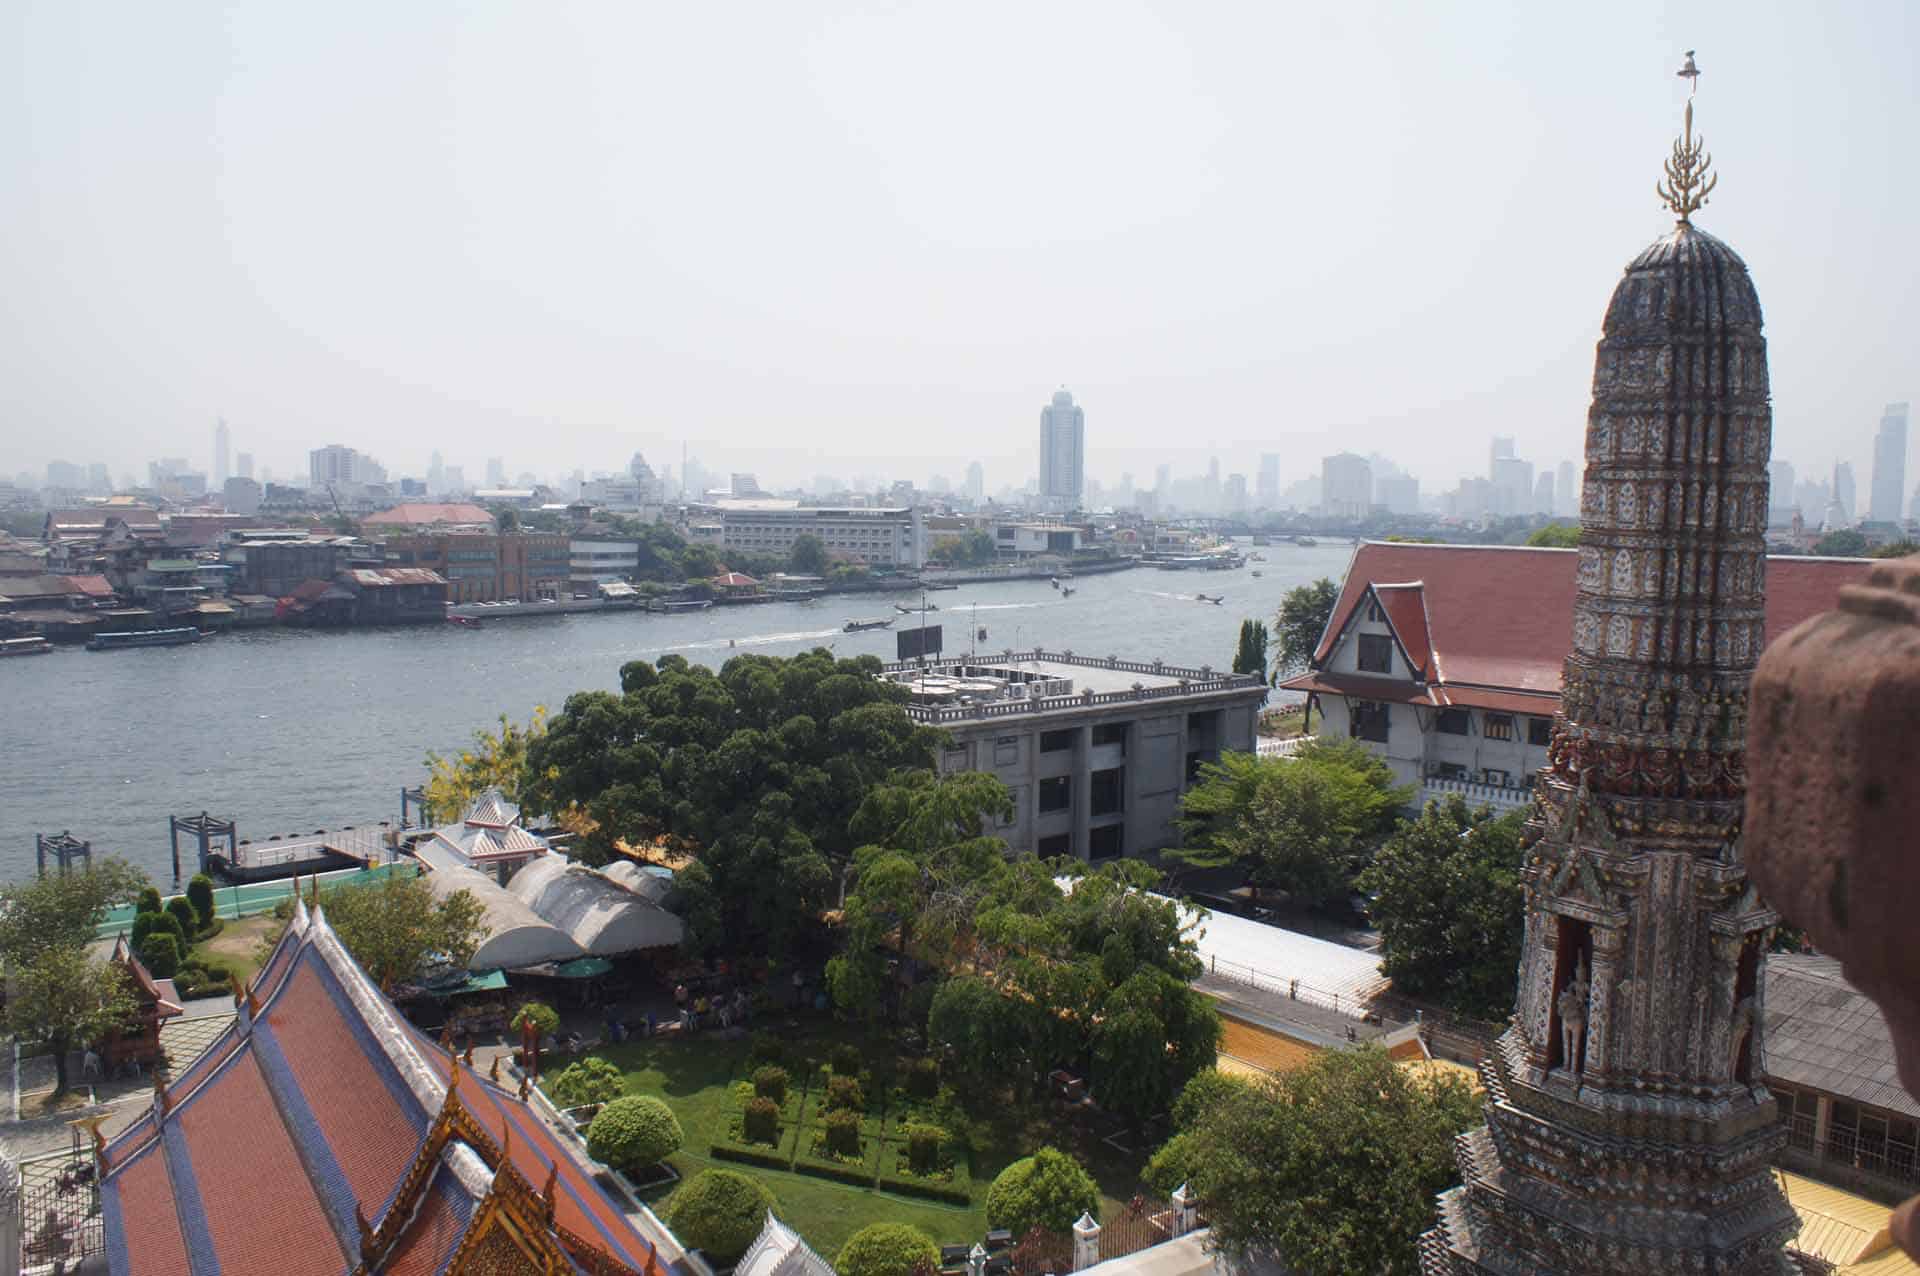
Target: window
{"points": [[1104, 843], [1006, 750], [1110, 733], [1540, 731], [1017, 798], [1106, 792], [1370, 721], [1454, 722], [1056, 741], [1499, 726], [1056, 794], [957, 759], [1058, 844], [1374, 613], [1376, 653]]}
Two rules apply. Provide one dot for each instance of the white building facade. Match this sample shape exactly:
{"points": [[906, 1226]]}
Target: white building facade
{"points": [[886, 537], [1063, 453]]}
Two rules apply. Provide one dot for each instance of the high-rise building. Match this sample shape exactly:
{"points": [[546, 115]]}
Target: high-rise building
{"points": [[1780, 492], [644, 479], [1843, 491], [1162, 478], [976, 482], [1346, 486], [1889, 465], [66, 475], [333, 464], [243, 465], [1628, 1130], [1266, 489], [496, 472], [1237, 493], [1063, 452], [1399, 493], [1543, 493], [240, 495], [436, 474], [1500, 449], [97, 480], [222, 449], [1566, 491], [1512, 486]]}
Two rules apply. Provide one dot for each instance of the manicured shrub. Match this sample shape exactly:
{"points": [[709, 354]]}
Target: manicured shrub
{"points": [[145, 924], [843, 1133], [761, 1122], [161, 954], [181, 911], [1048, 1189], [923, 1148], [719, 1212], [1204, 1092], [767, 1049], [770, 1082], [632, 1132], [149, 901], [200, 895], [923, 1079], [844, 1095], [1171, 1166], [845, 1059], [887, 1249], [588, 1081], [545, 1019]]}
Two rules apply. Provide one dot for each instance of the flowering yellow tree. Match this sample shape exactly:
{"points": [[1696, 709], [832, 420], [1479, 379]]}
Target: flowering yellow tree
{"points": [[496, 759]]}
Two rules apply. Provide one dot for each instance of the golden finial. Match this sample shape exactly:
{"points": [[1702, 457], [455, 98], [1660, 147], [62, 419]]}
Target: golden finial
{"points": [[1688, 183]]}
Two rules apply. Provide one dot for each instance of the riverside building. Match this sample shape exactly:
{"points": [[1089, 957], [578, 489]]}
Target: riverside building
{"points": [[1095, 751], [892, 536]]}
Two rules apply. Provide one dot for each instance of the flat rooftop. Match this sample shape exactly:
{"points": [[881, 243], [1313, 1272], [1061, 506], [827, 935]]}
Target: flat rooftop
{"points": [[1019, 678]]}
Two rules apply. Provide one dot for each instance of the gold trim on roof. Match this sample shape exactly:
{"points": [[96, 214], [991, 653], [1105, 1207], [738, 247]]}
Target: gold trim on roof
{"points": [[1688, 182]]}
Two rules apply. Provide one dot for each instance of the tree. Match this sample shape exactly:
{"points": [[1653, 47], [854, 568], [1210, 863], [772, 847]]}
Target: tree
{"points": [[808, 556], [1251, 657], [506, 519], [62, 997], [200, 895], [1205, 1092], [719, 1212], [1048, 1189], [1894, 549], [888, 1249], [1154, 1034], [183, 911], [634, 1131], [971, 549], [1333, 1167], [396, 929], [1555, 536], [1304, 824], [1846, 542], [589, 1080], [1446, 896], [63, 909], [496, 760], [1303, 616], [160, 954]]}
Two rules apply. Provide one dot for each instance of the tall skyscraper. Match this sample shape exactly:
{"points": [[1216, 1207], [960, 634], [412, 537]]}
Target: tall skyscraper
{"points": [[222, 446], [1346, 486], [436, 475], [243, 465], [1162, 477], [1780, 492], [333, 464], [1063, 452], [1889, 465], [1843, 493], [1627, 1127], [496, 472], [1266, 488], [1566, 491], [1500, 449], [1543, 493], [1512, 485], [976, 482]]}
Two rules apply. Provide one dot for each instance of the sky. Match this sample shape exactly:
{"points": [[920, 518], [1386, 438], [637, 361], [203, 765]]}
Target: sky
{"points": [[841, 238]]}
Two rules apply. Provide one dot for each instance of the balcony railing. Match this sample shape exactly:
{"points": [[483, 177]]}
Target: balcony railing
{"points": [[1497, 796]]}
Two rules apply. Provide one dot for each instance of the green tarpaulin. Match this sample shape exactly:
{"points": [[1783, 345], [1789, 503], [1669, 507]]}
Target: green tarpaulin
{"points": [[584, 968], [486, 981]]}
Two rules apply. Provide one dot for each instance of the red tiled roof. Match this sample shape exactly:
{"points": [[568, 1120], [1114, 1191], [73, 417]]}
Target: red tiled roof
{"points": [[1499, 701], [430, 1241], [143, 1208], [1502, 617], [422, 514], [1406, 608]]}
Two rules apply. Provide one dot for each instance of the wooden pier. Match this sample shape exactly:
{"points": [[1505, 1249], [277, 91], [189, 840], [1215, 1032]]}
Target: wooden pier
{"points": [[317, 852]]}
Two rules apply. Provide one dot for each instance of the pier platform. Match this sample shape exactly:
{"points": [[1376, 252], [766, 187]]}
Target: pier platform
{"points": [[319, 852]]}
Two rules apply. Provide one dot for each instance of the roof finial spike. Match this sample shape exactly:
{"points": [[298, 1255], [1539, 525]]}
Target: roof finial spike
{"points": [[1688, 182]]}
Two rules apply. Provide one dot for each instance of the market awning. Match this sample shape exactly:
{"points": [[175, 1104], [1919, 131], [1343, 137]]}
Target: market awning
{"points": [[485, 981], [583, 968]]}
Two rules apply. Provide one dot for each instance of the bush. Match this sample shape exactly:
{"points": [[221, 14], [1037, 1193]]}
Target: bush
{"points": [[770, 1082], [760, 1123], [843, 1133], [183, 912], [767, 1049], [1171, 1166], [923, 1148], [149, 901], [200, 895], [145, 924], [923, 1079], [161, 954], [1204, 1092], [887, 1249], [844, 1095], [633, 1131], [1047, 1190], [846, 1059], [544, 1018], [588, 1081], [720, 1212]]}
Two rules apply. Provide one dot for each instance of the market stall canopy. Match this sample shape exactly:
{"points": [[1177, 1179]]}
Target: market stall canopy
{"points": [[516, 935], [601, 916]]}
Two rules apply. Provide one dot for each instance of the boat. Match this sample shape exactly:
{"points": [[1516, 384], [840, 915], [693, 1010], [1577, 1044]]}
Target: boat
{"points": [[1216, 600], [855, 626], [1305, 542], [1066, 591], [143, 638], [465, 622], [905, 610], [928, 584], [1257, 558], [1256, 571], [24, 646], [675, 605], [1054, 581]]}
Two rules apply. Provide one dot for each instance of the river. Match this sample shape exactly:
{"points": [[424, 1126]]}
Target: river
{"points": [[285, 730]]}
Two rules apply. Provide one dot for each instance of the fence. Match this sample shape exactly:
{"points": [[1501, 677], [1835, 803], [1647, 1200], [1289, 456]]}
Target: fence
{"points": [[1349, 1003], [1877, 1166], [1139, 1224], [60, 1216], [1270, 747]]}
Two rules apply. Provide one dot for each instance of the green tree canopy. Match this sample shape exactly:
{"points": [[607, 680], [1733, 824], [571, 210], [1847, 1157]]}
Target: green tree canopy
{"points": [[1047, 1190], [1555, 536], [498, 759], [63, 997], [1333, 1167], [1894, 549], [397, 930], [719, 1212], [1446, 896], [633, 1132], [63, 909], [1846, 542], [888, 1249], [1251, 655], [1303, 616], [1304, 824], [808, 556], [971, 549], [761, 766]]}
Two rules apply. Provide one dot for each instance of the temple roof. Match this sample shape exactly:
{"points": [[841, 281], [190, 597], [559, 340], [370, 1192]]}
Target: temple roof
{"points": [[1825, 1034], [321, 1133]]}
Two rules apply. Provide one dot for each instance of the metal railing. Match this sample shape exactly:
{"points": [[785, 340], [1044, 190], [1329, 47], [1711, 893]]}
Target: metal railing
{"points": [[1499, 797], [1875, 1163], [1348, 1004], [1269, 747]]}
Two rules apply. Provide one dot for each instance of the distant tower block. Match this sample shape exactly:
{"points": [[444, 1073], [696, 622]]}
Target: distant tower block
{"points": [[65, 849], [211, 833]]}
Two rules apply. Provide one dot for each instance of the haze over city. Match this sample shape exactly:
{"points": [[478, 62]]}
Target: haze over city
{"points": [[884, 237]]}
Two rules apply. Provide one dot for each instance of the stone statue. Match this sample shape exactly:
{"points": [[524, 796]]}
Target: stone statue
{"points": [[1573, 1017]]}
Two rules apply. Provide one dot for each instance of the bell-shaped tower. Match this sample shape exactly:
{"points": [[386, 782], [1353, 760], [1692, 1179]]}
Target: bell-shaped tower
{"points": [[1627, 1129]]}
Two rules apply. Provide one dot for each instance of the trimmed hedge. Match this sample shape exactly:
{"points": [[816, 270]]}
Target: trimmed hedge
{"points": [[760, 1122], [844, 1094], [633, 1131], [888, 1249], [810, 1158], [200, 895], [719, 1211], [953, 1187], [777, 1157], [845, 1059], [770, 1082]]}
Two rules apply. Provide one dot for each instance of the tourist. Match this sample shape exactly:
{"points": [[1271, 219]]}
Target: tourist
{"points": [[699, 1011], [89, 1064]]}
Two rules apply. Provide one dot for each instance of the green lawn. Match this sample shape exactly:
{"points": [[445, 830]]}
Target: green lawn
{"points": [[694, 1078]]}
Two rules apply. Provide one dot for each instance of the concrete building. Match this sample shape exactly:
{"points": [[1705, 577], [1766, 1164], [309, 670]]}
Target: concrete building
{"points": [[976, 483], [484, 567], [342, 467], [243, 465], [1400, 494], [1446, 659], [1266, 488], [886, 536], [222, 449], [594, 561], [1889, 466], [1063, 446], [240, 496], [1094, 751], [1566, 491], [1780, 493], [1031, 540], [1843, 493], [1346, 486], [1512, 488], [1543, 493]]}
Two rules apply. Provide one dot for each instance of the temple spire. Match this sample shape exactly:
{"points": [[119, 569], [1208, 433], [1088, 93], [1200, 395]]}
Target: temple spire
{"points": [[1688, 182]]}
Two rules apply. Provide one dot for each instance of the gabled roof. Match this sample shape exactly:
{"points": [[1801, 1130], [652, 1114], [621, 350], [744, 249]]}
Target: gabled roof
{"points": [[491, 809], [1825, 1034], [425, 514], [1502, 617], [322, 1134]]}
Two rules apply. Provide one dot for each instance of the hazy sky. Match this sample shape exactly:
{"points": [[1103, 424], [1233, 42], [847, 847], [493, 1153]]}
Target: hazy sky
{"points": [[837, 238]]}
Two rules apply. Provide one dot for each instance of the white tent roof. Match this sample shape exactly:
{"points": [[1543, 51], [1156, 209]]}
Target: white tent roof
{"points": [[648, 881], [603, 918], [517, 936]]}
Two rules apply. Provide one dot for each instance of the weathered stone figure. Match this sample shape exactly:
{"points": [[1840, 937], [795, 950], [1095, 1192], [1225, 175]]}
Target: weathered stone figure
{"points": [[1573, 1017]]}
